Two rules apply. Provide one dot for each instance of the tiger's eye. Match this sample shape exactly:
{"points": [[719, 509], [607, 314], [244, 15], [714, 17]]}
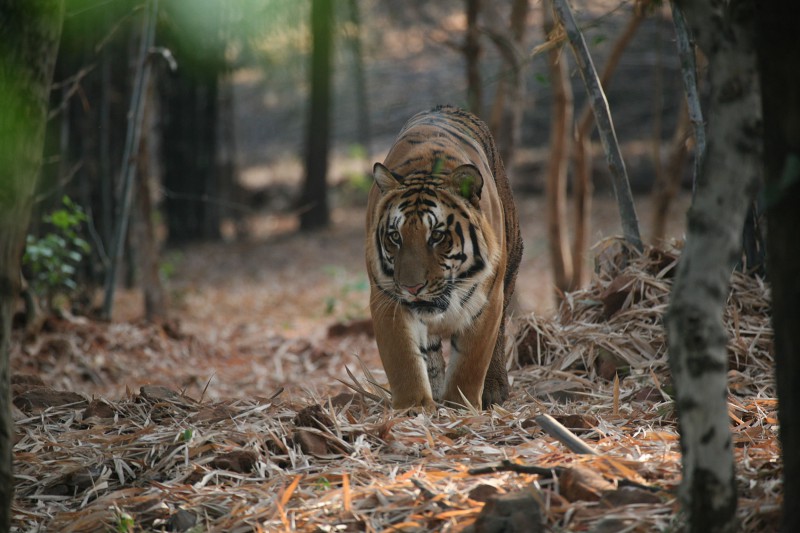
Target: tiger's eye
{"points": [[436, 236], [394, 237]]}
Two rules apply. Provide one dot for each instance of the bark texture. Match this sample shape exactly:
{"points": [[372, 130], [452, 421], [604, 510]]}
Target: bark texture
{"points": [[778, 50], [29, 36], [695, 331]]}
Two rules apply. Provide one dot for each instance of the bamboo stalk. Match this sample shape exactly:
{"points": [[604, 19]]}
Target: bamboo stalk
{"points": [[129, 161]]}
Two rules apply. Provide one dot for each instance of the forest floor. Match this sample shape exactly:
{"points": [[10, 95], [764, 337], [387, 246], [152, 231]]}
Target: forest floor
{"points": [[231, 416]]}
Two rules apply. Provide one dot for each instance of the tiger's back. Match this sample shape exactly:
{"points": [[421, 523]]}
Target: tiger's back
{"points": [[442, 232]]}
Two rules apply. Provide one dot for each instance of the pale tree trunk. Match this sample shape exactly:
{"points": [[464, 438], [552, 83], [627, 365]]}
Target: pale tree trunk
{"points": [[29, 33], [556, 183], [778, 49], [695, 331]]}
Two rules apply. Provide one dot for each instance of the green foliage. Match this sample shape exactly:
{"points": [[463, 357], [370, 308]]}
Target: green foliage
{"points": [[346, 302], [51, 262], [125, 522]]}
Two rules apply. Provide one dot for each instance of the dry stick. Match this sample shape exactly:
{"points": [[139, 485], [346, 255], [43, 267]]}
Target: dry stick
{"points": [[685, 45], [605, 126], [132, 138], [555, 429]]}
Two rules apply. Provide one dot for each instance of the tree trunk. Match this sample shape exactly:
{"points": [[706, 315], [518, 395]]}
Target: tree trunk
{"points": [[314, 200], [668, 182], [556, 185], [189, 114], [472, 52], [778, 49], [605, 125], [505, 121], [29, 33], [145, 235], [582, 153], [695, 331], [360, 79]]}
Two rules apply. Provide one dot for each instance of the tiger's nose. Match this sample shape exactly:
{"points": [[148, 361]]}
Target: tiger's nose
{"points": [[414, 289]]}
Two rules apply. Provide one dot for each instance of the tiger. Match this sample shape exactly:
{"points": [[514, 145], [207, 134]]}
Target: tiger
{"points": [[442, 249]]}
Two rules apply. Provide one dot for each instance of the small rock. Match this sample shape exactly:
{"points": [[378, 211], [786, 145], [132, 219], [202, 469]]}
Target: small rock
{"points": [[98, 409], [24, 382], [579, 483], [483, 492], [576, 422], [159, 393], [628, 496], [311, 443], [313, 416], [516, 512], [352, 328], [240, 461], [181, 521], [44, 397]]}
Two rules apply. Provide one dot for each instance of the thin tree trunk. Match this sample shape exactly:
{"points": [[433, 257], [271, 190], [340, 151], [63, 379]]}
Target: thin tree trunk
{"points": [[778, 49], [686, 52], [505, 121], [360, 79], [314, 200], [668, 183], [695, 331], [472, 52], [129, 161], [599, 107], [30, 32], [556, 184], [145, 237]]}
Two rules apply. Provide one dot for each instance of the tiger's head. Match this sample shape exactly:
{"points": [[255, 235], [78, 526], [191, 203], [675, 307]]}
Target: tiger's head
{"points": [[431, 242]]}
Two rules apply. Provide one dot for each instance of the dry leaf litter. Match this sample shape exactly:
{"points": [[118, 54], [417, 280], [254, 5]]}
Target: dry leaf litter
{"points": [[164, 459]]}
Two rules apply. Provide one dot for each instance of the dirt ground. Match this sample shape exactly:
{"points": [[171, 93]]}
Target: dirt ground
{"points": [[281, 287]]}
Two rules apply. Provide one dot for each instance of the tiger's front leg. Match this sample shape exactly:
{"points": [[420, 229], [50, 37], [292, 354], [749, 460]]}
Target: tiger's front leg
{"points": [[470, 355], [400, 346]]}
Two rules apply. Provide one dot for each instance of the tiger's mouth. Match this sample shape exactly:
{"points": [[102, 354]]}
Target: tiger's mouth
{"points": [[433, 304], [438, 305]]}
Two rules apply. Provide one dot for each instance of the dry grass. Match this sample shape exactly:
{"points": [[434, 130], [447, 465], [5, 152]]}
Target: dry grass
{"points": [[159, 460]]}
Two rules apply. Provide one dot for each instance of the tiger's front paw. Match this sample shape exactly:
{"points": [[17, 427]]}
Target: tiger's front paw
{"points": [[495, 391], [415, 405]]}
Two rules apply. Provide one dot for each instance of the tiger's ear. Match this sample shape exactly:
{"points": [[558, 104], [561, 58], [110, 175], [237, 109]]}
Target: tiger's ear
{"points": [[384, 178], [466, 181]]}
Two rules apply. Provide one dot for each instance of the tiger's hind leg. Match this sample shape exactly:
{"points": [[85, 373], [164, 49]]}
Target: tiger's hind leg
{"points": [[495, 387], [434, 361]]}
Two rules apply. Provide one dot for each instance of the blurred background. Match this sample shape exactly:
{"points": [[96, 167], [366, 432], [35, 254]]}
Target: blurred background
{"points": [[241, 134]]}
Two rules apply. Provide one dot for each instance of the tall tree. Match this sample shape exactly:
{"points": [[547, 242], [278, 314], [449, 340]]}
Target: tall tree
{"points": [[29, 36], [778, 49], [696, 335], [314, 199]]}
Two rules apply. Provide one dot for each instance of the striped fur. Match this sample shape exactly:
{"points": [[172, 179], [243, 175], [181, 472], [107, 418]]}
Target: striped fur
{"points": [[442, 250]]}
